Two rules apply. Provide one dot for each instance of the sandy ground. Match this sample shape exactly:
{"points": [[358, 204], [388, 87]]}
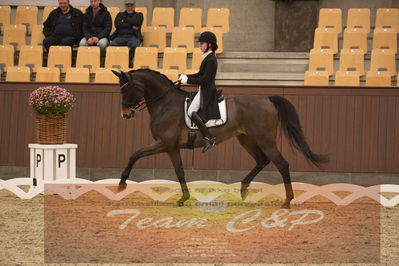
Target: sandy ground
{"points": [[55, 230]]}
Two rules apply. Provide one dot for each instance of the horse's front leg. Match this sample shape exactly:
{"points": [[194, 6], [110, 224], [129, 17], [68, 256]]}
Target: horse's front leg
{"points": [[156, 147], [178, 165]]}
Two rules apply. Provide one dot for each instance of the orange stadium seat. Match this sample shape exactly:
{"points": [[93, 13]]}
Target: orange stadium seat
{"points": [[5, 15], [46, 74], [321, 60], [46, 11], [218, 18], [146, 57], [347, 78], [183, 37], [163, 17], [6, 57], [15, 73], [387, 18], [330, 18], [359, 18], [77, 75], [14, 35], [113, 12], [383, 60], [316, 78], [172, 74], [385, 39], [88, 57], [82, 8], [31, 56], [27, 15], [105, 75], [378, 78], [144, 11], [155, 37], [352, 60], [355, 38], [191, 17], [326, 38], [37, 36], [60, 56], [195, 62], [117, 57], [175, 58]]}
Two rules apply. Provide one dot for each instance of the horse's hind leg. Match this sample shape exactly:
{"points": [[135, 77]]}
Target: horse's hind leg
{"points": [[261, 161], [270, 149]]}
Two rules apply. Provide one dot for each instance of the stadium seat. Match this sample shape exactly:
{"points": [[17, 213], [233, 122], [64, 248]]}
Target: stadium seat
{"points": [[47, 10], [46, 74], [144, 11], [387, 18], [14, 35], [163, 17], [330, 18], [359, 18], [113, 12], [31, 56], [88, 57], [218, 18], [352, 60], [15, 73], [155, 37], [37, 36], [26, 15], [316, 78], [77, 75], [117, 57], [384, 38], [195, 62], [355, 38], [321, 60], [183, 37], [82, 8], [383, 60], [60, 56], [172, 74], [191, 17], [347, 78], [6, 57], [175, 58], [105, 75], [219, 36], [326, 38], [5, 14], [378, 78], [146, 57]]}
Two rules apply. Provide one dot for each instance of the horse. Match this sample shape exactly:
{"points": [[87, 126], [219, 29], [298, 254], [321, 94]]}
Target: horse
{"points": [[164, 101]]}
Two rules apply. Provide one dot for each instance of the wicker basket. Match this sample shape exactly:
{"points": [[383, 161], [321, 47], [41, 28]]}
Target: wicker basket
{"points": [[51, 129]]}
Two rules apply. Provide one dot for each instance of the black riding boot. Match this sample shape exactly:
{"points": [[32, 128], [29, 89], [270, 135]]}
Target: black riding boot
{"points": [[209, 140]]}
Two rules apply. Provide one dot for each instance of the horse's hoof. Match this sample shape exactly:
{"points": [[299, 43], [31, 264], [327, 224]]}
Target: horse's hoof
{"points": [[181, 201], [286, 205], [122, 186], [244, 193]]}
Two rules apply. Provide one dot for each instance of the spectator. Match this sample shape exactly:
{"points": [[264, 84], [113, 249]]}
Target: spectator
{"points": [[63, 26], [97, 25], [128, 28]]}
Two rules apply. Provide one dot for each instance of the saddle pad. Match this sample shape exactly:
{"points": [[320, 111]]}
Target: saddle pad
{"points": [[210, 123]]}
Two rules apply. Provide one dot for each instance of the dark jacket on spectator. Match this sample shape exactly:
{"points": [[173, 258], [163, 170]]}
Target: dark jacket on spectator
{"points": [[76, 22], [125, 21], [100, 26]]}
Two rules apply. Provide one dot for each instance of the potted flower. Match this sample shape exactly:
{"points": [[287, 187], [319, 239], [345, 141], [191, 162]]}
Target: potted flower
{"points": [[50, 105]]}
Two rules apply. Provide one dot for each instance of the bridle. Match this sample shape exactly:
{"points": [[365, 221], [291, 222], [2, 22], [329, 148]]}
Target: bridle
{"points": [[142, 104]]}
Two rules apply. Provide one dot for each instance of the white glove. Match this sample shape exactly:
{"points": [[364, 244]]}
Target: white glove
{"points": [[183, 78]]}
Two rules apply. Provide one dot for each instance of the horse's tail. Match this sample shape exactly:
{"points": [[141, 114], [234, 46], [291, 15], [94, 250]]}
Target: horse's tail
{"points": [[289, 121]]}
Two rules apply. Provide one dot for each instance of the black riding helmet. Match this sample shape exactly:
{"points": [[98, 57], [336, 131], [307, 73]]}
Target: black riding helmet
{"points": [[209, 37]]}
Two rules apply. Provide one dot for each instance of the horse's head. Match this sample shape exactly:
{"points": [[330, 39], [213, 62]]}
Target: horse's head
{"points": [[132, 92]]}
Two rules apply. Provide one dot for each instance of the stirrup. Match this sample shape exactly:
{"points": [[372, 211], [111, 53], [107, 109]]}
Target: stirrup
{"points": [[209, 143]]}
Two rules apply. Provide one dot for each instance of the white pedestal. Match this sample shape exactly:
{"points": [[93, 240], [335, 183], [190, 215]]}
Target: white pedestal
{"points": [[52, 162]]}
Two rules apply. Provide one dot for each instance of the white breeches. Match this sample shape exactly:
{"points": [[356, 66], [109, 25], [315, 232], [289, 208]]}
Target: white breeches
{"points": [[196, 104]]}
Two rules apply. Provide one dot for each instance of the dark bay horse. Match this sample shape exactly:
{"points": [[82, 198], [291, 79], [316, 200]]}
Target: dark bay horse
{"points": [[253, 120]]}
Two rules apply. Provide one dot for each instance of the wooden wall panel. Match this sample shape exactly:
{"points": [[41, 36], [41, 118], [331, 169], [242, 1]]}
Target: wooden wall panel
{"points": [[357, 127]]}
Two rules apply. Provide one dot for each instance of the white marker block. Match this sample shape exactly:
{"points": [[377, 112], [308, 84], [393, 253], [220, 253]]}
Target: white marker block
{"points": [[53, 162]]}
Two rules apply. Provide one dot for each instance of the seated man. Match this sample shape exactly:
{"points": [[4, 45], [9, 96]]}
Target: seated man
{"points": [[128, 28], [63, 26], [97, 25]]}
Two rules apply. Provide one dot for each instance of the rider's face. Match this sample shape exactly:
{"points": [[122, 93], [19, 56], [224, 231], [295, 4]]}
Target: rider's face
{"points": [[204, 46]]}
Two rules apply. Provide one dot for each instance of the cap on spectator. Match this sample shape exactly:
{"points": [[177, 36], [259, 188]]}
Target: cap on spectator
{"points": [[130, 2]]}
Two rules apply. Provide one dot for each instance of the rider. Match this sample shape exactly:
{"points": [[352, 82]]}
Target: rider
{"points": [[204, 106]]}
